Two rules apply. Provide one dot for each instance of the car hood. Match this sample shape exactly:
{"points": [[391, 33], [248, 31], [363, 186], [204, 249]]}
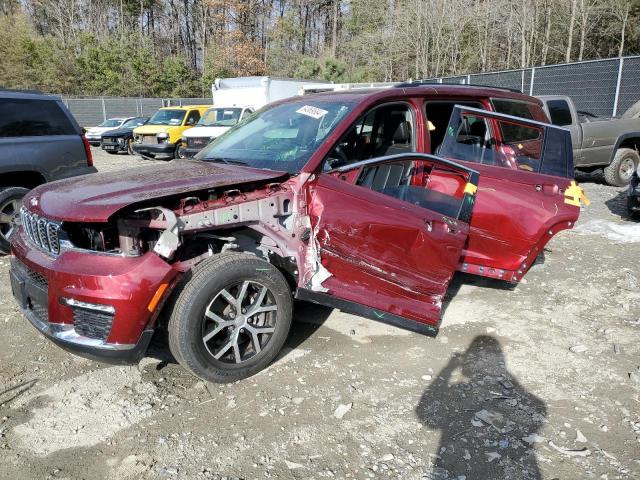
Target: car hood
{"points": [[96, 197], [152, 129], [99, 130], [213, 132], [118, 132]]}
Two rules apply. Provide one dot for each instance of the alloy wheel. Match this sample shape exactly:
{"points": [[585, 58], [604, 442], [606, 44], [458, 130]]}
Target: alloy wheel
{"points": [[10, 217], [627, 167], [239, 322]]}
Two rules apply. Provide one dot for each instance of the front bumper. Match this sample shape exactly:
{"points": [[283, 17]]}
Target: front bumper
{"points": [[110, 146], [95, 141], [40, 283], [184, 152], [155, 150]]}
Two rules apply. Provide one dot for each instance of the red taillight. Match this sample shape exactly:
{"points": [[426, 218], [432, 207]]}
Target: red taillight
{"points": [[87, 150]]}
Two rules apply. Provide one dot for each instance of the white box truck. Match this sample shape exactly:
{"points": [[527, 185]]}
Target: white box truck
{"points": [[233, 100]]}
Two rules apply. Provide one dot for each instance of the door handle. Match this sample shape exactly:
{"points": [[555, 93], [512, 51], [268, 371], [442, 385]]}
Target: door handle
{"points": [[548, 189], [446, 224]]}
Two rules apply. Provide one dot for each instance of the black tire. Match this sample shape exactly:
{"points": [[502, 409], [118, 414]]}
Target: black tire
{"points": [[621, 169], [10, 203], [633, 111], [240, 275], [633, 204]]}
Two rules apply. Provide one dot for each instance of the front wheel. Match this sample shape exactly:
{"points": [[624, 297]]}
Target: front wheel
{"points": [[10, 203], [231, 318], [624, 164]]}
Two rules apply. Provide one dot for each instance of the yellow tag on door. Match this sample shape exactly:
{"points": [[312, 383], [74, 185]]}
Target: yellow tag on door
{"points": [[574, 194]]}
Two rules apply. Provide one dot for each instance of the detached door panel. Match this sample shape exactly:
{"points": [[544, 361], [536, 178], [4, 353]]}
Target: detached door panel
{"points": [[525, 168], [383, 246]]}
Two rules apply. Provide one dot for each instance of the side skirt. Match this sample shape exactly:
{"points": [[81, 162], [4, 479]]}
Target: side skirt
{"points": [[364, 311]]}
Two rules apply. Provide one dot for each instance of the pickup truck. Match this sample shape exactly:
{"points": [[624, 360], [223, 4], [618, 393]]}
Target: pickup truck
{"points": [[610, 144]]}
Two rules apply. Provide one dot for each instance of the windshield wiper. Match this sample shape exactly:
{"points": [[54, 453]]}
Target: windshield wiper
{"points": [[228, 161]]}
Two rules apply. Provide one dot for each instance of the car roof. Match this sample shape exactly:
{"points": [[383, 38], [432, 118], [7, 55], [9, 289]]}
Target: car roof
{"points": [[27, 95], [424, 90]]}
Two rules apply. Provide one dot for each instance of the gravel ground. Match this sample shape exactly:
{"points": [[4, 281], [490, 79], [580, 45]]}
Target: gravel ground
{"points": [[540, 381]]}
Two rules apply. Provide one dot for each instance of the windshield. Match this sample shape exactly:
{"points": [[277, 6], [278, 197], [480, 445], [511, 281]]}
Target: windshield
{"points": [[112, 122], [281, 137], [220, 117], [134, 122], [167, 117]]}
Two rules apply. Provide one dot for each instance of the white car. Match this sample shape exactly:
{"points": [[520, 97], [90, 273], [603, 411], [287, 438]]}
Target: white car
{"points": [[94, 134], [211, 125]]}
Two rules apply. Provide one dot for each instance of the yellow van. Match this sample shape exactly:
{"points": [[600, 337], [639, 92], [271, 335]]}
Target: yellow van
{"points": [[161, 135]]}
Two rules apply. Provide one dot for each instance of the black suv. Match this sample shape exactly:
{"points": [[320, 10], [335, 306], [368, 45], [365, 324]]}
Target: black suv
{"points": [[121, 139], [40, 141]]}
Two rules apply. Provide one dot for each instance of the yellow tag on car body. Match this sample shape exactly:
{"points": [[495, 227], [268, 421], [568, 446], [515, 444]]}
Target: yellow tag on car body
{"points": [[574, 194]]}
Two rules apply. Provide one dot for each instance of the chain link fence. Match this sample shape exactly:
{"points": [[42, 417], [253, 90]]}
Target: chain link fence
{"points": [[602, 87], [90, 112]]}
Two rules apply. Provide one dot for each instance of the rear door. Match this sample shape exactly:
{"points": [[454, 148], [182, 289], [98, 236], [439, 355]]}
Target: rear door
{"points": [[526, 192], [387, 236]]}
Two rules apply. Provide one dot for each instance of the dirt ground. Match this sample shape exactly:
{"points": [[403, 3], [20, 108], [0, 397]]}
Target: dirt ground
{"points": [[540, 381]]}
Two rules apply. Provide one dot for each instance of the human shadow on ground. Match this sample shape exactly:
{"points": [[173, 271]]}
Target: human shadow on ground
{"points": [[488, 421]]}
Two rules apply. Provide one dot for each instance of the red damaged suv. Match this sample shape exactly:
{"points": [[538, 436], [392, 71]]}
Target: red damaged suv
{"points": [[366, 201]]}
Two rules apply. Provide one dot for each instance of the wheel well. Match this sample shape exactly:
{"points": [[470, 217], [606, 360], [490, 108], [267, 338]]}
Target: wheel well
{"points": [[247, 240], [633, 143], [26, 179]]}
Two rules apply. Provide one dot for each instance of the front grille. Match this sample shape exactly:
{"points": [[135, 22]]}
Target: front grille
{"points": [[41, 232], [149, 139], [92, 324], [34, 276], [197, 142]]}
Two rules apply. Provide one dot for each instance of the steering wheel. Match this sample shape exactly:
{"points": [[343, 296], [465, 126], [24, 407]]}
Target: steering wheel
{"points": [[342, 158]]}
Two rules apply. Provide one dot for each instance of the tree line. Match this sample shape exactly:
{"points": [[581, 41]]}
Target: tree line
{"points": [[178, 47]]}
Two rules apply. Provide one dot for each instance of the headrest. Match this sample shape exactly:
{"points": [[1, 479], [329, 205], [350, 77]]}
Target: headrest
{"points": [[402, 133]]}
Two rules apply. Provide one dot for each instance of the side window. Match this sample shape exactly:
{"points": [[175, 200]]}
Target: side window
{"points": [[423, 181], [22, 118], [193, 117], [508, 142], [246, 113], [511, 132], [385, 130], [438, 115], [559, 112], [512, 107]]}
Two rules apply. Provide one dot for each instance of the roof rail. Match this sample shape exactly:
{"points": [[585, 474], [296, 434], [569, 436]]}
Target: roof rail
{"points": [[18, 90], [423, 84]]}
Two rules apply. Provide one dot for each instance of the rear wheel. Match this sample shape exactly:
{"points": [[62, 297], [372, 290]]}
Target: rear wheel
{"points": [[10, 203], [231, 318], [621, 169]]}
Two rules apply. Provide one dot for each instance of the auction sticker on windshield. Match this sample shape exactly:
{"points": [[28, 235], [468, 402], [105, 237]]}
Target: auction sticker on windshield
{"points": [[313, 112]]}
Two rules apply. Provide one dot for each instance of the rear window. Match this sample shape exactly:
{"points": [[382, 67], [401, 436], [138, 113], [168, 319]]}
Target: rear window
{"points": [[559, 112], [24, 118]]}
